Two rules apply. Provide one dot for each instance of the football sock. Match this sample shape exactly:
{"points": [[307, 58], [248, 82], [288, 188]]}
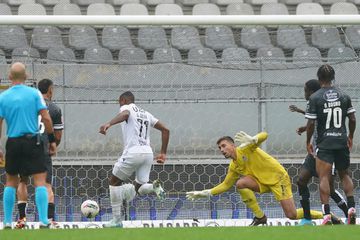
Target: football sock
{"points": [[41, 200], [340, 201], [249, 198], [326, 209], [146, 189], [128, 192], [116, 201], [350, 201], [8, 203], [305, 202], [51, 211], [22, 209], [313, 214]]}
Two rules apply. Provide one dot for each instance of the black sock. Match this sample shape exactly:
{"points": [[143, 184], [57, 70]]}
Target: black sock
{"points": [[326, 209], [350, 201], [340, 202], [51, 211], [305, 202], [22, 209]]}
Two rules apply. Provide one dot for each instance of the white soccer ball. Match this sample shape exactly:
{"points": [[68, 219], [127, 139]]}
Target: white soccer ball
{"points": [[90, 208]]}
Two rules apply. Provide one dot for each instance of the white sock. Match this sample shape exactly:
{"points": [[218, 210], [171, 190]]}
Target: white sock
{"points": [[116, 201], [146, 189], [128, 191]]}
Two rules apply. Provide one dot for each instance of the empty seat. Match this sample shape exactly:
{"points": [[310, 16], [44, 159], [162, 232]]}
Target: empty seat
{"points": [[156, 2], [2, 57], [260, 2], [219, 38], [31, 9], [309, 9], [232, 57], [328, 2], [325, 37], [166, 55], [290, 37], [87, 2], [239, 9], [151, 38], [52, 2], [341, 54], [184, 38], [82, 37], [168, 9], [60, 55], [295, 2], [66, 9], [191, 2], [133, 9], [132, 56], [98, 55], [116, 38], [274, 9], [26, 55], [100, 9], [270, 55], [353, 36], [121, 2], [12, 37], [255, 37], [202, 56], [45, 37], [306, 55], [206, 9], [225, 2], [5, 9], [17, 2], [343, 8]]}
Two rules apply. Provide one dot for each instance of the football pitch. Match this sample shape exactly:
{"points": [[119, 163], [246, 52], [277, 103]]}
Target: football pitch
{"points": [[291, 233]]}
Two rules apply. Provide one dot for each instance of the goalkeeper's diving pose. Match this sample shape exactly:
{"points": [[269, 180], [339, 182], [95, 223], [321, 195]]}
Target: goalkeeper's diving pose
{"points": [[254, 169]]}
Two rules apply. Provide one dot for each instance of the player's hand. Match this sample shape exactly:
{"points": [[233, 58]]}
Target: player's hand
{"points": [[310, 149], [293, 108], [161, 158], [52, 149], [245, 139], [2, 159], [104, 128], [300, 130], [198, 194]]}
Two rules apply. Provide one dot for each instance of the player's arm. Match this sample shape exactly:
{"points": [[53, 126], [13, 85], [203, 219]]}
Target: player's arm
{"points": [[352, 126], [58, 126], [165, 135], [294, 108], [309, 132], [122, 116], [246, 140], [46, 119], [228, 182]]}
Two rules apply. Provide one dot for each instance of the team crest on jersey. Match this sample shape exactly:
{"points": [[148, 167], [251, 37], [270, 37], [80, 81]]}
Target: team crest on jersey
{"points": [[331, 95]]}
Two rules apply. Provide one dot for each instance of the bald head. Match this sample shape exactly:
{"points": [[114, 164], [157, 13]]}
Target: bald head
{"points": [[17, 72]]}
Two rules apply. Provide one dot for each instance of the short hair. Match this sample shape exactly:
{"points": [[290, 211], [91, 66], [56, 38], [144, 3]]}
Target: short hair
{"points": [[44, 85], [313, 85], [128, 95], [226, 138], [326, 73]]}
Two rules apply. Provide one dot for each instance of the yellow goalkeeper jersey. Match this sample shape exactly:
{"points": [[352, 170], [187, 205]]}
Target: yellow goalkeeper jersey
{"points": [[253, 161]]}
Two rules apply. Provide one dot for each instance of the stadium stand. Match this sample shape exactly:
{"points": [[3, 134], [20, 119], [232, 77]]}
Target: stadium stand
{"points": [[206, 9], [219, 37], [45, 37], [100, 9], [5, 9], [132, 56], [184, 38], [343, 8], [325, 37], [168, 9], [341, 54], [202, 57], [66, 9], [12, 37], [150, 38], [60, 55], [98, 55], [290, 37], [82, 37], [166, 55], [116, 38]]}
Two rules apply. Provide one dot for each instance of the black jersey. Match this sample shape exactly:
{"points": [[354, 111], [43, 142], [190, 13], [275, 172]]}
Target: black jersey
{"points": [[330, 107]]}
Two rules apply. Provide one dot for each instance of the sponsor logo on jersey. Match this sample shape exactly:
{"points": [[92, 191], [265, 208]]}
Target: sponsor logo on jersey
{"points": [[331, 95]]}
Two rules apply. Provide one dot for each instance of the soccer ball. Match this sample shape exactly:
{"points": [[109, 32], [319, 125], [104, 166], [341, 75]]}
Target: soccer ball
{"points": [[89, 208]]}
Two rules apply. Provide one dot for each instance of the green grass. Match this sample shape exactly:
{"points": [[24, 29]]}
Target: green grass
{"points": [[292, 233]]}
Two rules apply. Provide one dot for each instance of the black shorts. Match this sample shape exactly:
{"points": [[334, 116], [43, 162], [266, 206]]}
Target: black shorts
{"points": [[310, 165], [48, 164], [339, 157], [24, 156]]}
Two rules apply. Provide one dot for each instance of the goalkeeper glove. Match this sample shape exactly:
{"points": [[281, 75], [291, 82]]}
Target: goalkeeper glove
{"points": [[245, 139], [198, 194]]}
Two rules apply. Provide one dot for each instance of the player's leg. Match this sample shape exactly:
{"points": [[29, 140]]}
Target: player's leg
{"points": [[338, 198], [9, 197], [41, 197], [324, 161], [22, 196], [248, 182], [248, 197], [307, 171], [142, 178], [51, 197]]}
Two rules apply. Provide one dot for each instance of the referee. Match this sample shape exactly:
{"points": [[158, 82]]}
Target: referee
{"points": [[21, 106]]}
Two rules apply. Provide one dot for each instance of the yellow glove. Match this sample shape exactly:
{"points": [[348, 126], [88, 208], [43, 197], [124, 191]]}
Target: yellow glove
{"points": [[198, 194], [244, 139]]}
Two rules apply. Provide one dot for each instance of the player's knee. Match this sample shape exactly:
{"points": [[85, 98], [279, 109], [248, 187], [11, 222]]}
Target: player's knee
{"points": [[240, 185]]}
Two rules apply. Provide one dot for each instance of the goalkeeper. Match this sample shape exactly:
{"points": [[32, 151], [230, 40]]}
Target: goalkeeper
{"points": [[258, 172]]}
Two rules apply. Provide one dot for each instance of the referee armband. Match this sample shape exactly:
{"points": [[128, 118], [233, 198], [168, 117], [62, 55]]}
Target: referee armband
{"points": [[51, 137]]}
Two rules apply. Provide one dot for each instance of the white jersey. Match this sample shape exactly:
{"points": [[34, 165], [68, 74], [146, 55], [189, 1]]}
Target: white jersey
{"points": [[136, 130]]}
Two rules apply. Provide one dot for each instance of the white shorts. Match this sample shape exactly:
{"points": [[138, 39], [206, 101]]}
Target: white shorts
{"points": [[140, 163]]}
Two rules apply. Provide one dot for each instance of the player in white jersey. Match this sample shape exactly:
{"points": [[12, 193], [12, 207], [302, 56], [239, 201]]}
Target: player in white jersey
{"points": [[137, 155]]}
